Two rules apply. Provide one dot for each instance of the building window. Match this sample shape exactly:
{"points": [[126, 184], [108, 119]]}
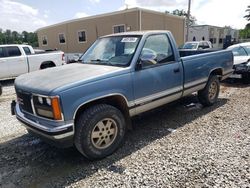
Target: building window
{"points": [[81, 36], [62, 38], [118, 28], [44, 40]]}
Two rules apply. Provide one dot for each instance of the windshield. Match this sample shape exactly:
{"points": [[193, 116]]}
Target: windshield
{"points": [[247, 48], [114, 51], [190, 45]]}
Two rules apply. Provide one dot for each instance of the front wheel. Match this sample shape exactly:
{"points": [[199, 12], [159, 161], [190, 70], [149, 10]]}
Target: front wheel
{"points": [[99, 131], [209, 95]]}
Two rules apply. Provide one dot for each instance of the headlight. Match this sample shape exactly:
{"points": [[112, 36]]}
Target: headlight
{"points": [[48, 107]]}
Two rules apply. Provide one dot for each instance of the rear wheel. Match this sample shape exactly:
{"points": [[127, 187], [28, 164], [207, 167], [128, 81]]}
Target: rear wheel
{"points": [[99, 131], [246, 78], [1, 90], [209, 95]]}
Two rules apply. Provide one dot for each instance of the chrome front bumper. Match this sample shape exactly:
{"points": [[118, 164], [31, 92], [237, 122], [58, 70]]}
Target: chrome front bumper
{"points": [[58, 132]]}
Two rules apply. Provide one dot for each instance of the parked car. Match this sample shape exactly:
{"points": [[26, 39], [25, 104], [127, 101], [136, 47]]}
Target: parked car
{"points": [[241, 66], [197, 45], [89, 104], [19, 59]]}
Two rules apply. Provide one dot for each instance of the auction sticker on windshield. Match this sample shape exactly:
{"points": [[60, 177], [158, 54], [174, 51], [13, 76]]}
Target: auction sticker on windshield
{"points": [[129, 39]]}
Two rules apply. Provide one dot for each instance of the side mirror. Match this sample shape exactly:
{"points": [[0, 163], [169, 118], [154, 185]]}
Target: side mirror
{"points": [[138, 65], [147, 57]]}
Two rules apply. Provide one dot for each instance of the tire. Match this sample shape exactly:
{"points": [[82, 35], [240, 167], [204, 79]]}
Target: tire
{"points": [[48, 65], [246, 78], [209, 95], [91, 138], [1, 89]]}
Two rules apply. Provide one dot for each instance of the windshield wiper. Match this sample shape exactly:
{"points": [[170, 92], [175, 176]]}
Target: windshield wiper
{"points": [[102, 62], [98, 60]]}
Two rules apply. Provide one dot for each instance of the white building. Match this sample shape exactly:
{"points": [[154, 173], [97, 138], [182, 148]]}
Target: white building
{"points": [[218, 36]]}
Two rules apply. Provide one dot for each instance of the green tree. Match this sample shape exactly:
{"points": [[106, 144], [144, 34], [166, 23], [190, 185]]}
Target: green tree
{"points": [[245, 33], [14, 37], [183, 13], [8, 36], [248, 13]]}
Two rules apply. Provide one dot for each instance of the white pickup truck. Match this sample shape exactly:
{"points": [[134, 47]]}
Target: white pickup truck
{"points": [[19, 59]]}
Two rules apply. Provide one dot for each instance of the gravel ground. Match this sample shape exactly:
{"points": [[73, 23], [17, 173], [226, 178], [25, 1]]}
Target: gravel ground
{"points": [[178, 145]]}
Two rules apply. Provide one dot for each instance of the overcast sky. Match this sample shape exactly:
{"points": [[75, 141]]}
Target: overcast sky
{"points": [[30, 15]]}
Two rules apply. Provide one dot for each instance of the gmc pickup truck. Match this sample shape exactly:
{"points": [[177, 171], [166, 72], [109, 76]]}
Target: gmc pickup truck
{"points": [[89, 104]]}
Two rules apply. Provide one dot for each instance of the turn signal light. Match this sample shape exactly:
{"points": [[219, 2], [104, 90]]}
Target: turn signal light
{"points": [[56, 108]]}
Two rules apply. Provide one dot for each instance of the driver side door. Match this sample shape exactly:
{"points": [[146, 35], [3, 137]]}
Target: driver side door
{"points": [[159, 79]]}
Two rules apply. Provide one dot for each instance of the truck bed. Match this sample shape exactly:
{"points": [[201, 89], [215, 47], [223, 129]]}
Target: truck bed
{"points": [[198, 67]]}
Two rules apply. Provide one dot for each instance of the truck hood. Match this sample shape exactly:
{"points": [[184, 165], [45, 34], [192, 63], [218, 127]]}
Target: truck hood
{"points": [[64, 77]]}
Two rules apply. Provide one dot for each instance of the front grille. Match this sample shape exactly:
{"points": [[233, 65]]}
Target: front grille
{"points": [[24, 100]]}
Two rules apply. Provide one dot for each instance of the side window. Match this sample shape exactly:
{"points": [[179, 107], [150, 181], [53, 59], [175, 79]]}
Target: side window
{"points": [[81, 36], [239, 51], [206, 45], [201, 46], [27, 50], [2, 52], [13, 51], [156, 50]]}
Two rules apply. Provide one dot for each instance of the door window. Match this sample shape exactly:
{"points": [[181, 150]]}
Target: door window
{"points": [[201, 46], [157, 50], [2, 52], [13, 51], [27, 50]]}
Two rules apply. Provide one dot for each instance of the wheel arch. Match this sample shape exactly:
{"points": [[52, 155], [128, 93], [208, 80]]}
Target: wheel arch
{"points": [[51, 63], [217, 71], [117, 100]]}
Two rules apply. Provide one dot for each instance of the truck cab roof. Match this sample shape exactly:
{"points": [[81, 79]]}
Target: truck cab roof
{"points": [[146, 32]]}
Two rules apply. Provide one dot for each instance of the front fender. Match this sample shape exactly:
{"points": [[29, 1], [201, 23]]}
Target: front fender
{"points": [[74, 98]]}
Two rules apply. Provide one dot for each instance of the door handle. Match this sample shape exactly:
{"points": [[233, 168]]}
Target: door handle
{"points": [[176, 70]]}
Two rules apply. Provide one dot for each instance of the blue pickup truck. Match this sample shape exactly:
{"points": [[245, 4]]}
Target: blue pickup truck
{"points": [[89, 104]]}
